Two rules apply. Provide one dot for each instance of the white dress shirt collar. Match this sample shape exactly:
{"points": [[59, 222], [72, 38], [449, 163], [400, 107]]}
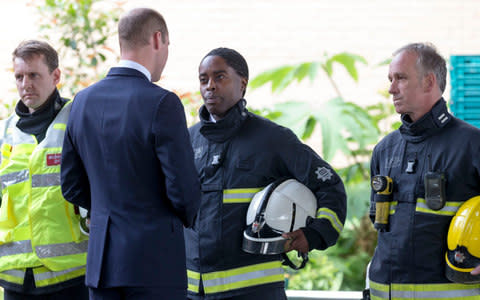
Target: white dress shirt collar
{"points": [[124, 63]]}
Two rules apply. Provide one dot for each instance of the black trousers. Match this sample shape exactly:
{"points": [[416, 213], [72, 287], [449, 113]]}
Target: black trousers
{"points": [[76, 292], [137, 293], [277, 293]]}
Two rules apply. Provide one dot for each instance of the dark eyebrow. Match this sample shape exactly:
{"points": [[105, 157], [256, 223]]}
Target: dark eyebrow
{"points": [[214, 73]]}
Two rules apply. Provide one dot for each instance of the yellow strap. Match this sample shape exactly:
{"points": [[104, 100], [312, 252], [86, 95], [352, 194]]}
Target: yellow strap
{"points": [[60, 126]]}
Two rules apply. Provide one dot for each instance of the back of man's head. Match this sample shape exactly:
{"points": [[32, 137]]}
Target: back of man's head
{"points": [[26, 50], [137, 27], [428, 60]]}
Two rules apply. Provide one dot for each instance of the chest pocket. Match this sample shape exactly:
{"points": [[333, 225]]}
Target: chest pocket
{"points": [[245, 164]]}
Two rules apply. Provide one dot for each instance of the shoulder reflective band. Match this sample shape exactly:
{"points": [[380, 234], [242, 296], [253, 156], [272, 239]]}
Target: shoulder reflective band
{"points": [[239, 195], [331, 216], [13, 178], [16, 248], [44, 180], [54, 250]]}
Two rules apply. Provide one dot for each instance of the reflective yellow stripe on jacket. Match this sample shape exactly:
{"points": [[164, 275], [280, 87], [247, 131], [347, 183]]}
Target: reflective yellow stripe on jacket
{"points": [[42, 275], [331, 216], [239, 195], [450, 208], [221, 281], [452, 291]]}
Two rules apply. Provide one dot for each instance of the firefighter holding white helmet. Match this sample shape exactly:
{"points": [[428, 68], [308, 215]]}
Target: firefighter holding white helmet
{"points": [[237, 154]]}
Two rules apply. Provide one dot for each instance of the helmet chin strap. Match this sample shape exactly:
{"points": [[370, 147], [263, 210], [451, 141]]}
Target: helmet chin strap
{"points": [[288, 262]]}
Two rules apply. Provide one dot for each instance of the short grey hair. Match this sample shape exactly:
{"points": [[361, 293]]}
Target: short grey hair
{"points": [[428, 60]]}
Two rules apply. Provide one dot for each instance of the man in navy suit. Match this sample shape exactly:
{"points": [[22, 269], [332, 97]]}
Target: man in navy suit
{"points": [[127, 158]]}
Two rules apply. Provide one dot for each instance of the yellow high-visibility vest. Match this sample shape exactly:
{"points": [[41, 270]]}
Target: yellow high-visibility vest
{"points": [[38, 228]]}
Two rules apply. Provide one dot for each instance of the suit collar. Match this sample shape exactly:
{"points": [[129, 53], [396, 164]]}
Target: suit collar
{"points": [[121, 71], [125, 63]]}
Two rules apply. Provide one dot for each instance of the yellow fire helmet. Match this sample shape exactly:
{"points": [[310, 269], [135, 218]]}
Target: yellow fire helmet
{"points": [[463, 253]]}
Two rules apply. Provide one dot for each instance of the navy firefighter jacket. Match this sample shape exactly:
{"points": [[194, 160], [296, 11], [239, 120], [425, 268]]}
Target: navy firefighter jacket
{"points": [[411, 252], [235, 158]]}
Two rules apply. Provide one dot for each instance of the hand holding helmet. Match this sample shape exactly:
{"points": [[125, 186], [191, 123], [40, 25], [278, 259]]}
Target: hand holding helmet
{"points": [[476, 271], [296, 240], [274, 219]]}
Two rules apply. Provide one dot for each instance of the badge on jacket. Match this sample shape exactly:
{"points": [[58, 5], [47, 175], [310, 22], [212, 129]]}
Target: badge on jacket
{"points": [[54, 159], [323, 173]]}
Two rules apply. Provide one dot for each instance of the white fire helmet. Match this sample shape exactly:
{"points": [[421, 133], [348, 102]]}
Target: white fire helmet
{"points": [[283, 206]]}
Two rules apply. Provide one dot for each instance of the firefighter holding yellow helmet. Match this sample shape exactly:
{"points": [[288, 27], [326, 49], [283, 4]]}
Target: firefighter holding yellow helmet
{"points": [[421, 174]]}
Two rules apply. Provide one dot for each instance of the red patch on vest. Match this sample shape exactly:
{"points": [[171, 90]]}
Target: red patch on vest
{"points": [[54, 159]]}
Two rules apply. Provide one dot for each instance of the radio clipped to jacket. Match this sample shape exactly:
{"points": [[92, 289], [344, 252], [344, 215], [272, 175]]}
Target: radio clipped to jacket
{"points": [[434, 188]]}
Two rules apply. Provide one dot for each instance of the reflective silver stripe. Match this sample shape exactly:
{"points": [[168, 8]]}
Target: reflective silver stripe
{"points": [[15, 273], [193, 281], [13, 178], [449, 209], [457, 294], [332, 217], [49, 274], [54, 250], [16, 248], [381, 294], [245, 196], [44, 180], [241, 195], [241, 277]]}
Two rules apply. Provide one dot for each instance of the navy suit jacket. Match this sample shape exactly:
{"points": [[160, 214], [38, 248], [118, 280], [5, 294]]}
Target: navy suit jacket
{"points": [[127, 157]]}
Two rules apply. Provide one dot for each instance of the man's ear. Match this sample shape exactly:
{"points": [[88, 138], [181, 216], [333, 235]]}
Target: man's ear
{"points": [[244, 84], [157, 39], [56, 75], [429, 82]]}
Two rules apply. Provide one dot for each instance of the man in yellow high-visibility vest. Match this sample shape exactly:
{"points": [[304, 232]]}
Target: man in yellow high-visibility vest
{"points": [[42, 251]]}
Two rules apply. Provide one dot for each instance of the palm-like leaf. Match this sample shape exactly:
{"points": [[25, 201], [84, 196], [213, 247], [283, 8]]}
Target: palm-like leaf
{"points": [[344, 126], [283, 76]]}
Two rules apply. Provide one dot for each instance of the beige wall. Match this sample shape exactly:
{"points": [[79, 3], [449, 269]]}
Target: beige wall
{"points": [[270, 33]]}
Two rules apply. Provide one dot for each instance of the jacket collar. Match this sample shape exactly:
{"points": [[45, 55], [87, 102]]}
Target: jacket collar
{"points": [[428, 125], [122, 71], [37, 123], [225, 128]]}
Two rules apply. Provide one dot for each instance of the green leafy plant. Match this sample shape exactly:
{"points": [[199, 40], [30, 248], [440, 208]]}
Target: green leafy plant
{"points": [[80, 30], [344, 126]]}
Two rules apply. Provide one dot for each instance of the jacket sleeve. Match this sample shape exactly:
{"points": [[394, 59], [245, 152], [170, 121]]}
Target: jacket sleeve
{"points": [[309, 168], [174, 151], [74, 180]]}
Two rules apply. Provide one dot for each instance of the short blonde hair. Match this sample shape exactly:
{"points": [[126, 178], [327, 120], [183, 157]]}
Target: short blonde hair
{"points": [[138, 25]]}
